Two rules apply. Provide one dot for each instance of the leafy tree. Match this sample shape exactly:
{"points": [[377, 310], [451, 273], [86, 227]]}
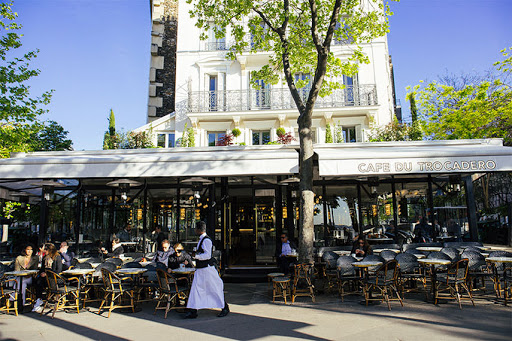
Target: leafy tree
{"points": [[51, 137], [328, 134], [414, 131], [18, 109], [111, 139], [188, 139], [298, 36], [136, 140], [394, 131], [191, 137], [455, 108], [225, 140]]}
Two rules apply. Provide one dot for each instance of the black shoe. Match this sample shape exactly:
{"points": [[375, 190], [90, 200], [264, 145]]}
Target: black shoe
{"points": [[224, 311], [191, 315]]}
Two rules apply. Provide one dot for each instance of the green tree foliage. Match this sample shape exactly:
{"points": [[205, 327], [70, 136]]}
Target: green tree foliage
{"points": [[188, 139], [328, 134], [50, 137], [111, 139], [297, 36], [455, 108], [394, 131], [18, 109], [236, 132], [136, 140]]}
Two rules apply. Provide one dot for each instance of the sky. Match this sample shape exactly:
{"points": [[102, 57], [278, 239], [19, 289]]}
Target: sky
{"points": [[95, 54]]}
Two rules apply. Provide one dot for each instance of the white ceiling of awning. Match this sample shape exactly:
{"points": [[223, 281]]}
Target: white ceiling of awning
{"points": [[211, 161], [391, 158]]}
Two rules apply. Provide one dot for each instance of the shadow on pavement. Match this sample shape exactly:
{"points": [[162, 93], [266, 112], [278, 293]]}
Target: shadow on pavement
{"points": [[76, 328]]}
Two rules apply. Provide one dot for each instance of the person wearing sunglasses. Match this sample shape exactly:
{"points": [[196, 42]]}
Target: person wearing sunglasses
{"points": [[284, 250]]}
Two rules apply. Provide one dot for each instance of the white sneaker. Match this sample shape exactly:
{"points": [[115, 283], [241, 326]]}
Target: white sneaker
{"points": [[38, 303], [38, 309]]}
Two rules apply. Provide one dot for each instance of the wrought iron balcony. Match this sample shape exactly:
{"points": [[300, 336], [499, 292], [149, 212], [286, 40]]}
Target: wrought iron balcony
{"points": [[216, 46], [277, 99]]}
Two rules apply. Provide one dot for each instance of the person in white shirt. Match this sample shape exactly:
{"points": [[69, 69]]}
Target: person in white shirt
{"points": [[207, 291], [282, 252]]}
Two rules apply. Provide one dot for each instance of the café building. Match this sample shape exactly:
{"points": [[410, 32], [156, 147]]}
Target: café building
{"points": [[248, 194]]}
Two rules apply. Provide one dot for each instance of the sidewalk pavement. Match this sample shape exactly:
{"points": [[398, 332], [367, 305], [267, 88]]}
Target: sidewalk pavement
{"points": [[254, 317]]}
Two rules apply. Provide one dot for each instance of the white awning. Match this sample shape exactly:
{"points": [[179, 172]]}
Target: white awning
{"points": [[414, 157], [210, 161]]}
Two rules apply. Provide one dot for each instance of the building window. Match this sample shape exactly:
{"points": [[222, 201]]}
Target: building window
{"points": [[171, 140], [214, 136], [262, 95], [214, 43], [160, 140], [350, 89], [349, 134], [212, 97], [260, 137]]}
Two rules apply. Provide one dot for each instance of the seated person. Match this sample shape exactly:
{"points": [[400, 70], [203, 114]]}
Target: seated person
{"points": [[423, 231], [163, 255], [126, 234], [67, 256], [180, 257], [27, 261], [284, 250], [51, 261], [117, 249], [361, 248], [453, 229]]}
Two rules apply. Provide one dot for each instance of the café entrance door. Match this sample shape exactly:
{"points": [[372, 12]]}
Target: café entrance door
{"points": [[252, 234]]}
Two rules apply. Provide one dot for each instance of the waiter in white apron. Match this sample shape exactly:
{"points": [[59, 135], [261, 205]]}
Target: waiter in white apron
{"points": [[207, 291]]}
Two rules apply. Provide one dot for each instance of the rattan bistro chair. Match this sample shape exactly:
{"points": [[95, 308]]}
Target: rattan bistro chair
{"points": [[60, 291], [347, 276], [116, 290], [455, 276], [385, 281], [6, 293], [169, 291], [330, 272], [303, 281]]}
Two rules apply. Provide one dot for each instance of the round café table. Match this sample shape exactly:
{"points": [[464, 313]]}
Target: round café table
{"points": [[433, 262], [134, 273], [187, 273], [365, 266], [429, 248], [380, 250], [495, 261], [342, 252], [131, 271], [384, 240], [20, 274], [81, 260], [77, 272]]}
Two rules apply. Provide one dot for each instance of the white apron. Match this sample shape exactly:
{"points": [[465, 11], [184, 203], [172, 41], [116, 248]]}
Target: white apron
{"points": [[207, 291]]}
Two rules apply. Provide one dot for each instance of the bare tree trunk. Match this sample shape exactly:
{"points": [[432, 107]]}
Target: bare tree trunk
{"points": [[307, 196]]}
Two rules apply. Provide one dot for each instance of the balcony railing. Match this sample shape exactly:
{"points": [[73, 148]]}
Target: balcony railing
{"points": [[276, 99], [216, 46]]}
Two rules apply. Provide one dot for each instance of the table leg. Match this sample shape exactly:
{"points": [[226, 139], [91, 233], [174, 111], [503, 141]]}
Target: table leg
{"points": [[433, 281]]}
